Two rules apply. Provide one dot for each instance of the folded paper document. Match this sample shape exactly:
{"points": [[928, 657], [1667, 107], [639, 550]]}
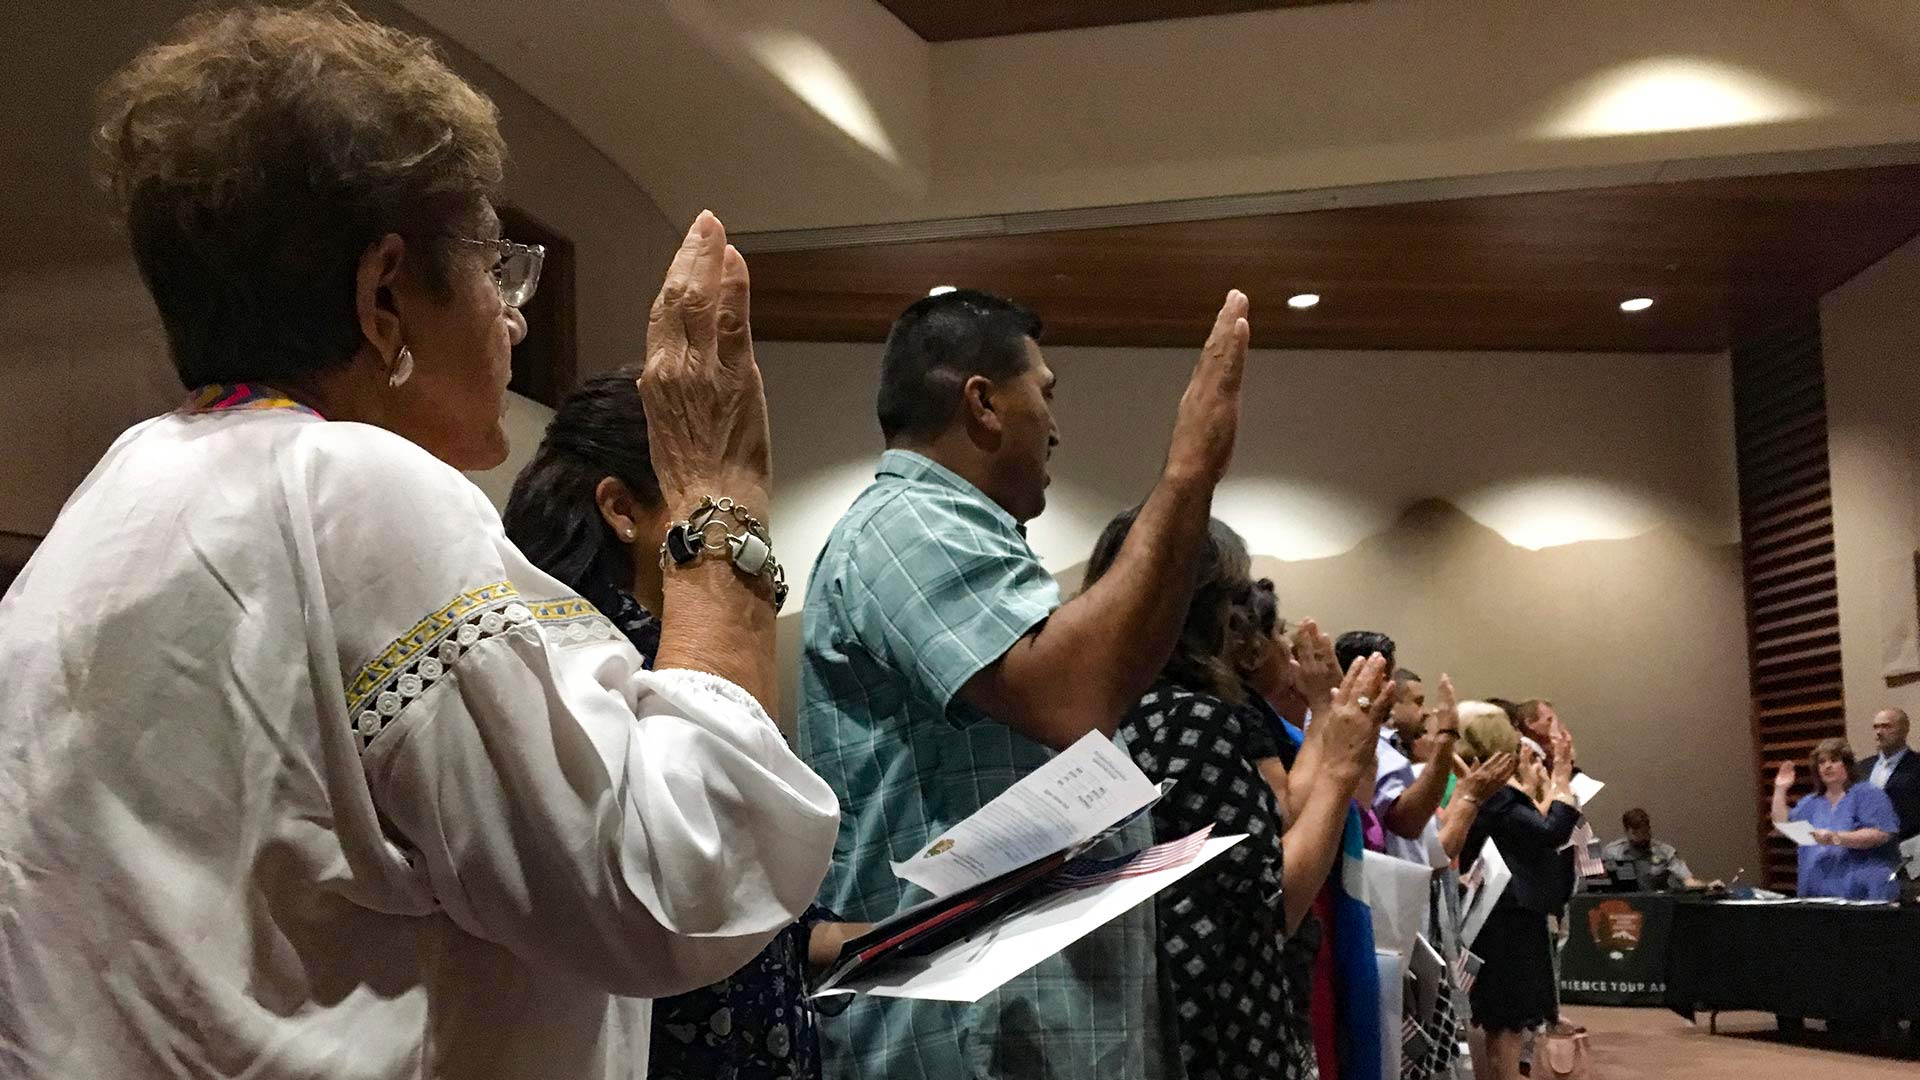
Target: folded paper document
{"points": [[1083, 792], [1585, 788], [1485, 882], [957, 948], [1799, 832], [1013, 883]]}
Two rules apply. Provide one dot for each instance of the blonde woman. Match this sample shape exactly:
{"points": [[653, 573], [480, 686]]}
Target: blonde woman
{"points": [[1515, 990]]}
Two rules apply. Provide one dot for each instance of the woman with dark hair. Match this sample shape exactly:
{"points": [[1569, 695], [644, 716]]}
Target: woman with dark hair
{"points": [[1854, 854], [1295, 677], [1222, 928], [585, 509], [304, 769]]}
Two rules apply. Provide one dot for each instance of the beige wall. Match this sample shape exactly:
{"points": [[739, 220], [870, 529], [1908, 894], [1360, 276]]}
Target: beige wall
{"points": [[83, 356], [1535, 524], [1870, 334]]}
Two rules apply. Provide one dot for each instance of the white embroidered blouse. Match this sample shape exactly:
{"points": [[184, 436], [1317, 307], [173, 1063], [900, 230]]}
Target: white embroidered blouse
{"points": [[306, 772]]}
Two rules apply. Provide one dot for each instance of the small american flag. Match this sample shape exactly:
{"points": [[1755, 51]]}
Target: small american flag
{"points": [[1415, 1043], [1084, 873], [1466, 968]]}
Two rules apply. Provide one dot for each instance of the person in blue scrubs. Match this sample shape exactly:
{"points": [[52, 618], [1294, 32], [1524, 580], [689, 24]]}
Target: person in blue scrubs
{"points": [[1853, 856]]}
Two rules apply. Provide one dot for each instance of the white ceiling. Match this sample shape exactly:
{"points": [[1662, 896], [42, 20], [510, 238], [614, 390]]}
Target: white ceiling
{"points": [[832, 113]]}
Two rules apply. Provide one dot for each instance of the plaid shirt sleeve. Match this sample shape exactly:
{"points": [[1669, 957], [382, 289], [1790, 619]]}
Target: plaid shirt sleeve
{"points": [[943, 588]]}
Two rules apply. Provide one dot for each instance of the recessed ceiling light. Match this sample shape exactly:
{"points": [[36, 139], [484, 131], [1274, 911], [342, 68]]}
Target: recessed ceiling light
{"points": [[1303, 301], [1638, 303], [941, 290]]}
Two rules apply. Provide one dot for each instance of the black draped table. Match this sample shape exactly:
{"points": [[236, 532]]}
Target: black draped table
{"points": [[1802, 959]]}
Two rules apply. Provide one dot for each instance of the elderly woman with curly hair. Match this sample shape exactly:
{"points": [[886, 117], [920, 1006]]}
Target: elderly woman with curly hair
{"points": [[304, 769]]}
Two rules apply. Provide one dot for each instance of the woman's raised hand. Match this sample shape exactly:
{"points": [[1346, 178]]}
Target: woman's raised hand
{"points": [[706, 407], [1490, 776], [1783, 778], [1319, 668], [1359, 706]]}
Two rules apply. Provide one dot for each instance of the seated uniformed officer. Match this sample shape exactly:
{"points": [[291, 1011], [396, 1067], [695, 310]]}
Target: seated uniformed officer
{"points": [[1639, 863]]}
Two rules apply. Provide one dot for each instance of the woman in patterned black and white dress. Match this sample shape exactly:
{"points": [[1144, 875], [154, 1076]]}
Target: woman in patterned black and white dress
{"points": [[1222, 927]]}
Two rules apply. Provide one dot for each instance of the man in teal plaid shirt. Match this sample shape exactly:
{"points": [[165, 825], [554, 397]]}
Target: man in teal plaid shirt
{"points": [[940, 667]]}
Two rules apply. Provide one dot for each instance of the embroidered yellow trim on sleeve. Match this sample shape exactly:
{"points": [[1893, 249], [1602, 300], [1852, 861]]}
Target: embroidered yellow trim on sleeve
{"points": [[418, 658]]}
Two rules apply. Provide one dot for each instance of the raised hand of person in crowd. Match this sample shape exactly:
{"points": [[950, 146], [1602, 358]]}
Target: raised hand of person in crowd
{"points": [[1318, 668], [706, 407], [1531, 772], [1476, 787], [1443, 723], [1209, 416], [1488, 777], [707, 433], [1782, 783], [1557, 735], [1360, 705], [1562, 770]]}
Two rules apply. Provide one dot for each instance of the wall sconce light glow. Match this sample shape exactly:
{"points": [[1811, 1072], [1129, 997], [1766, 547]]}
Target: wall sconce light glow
{"points": [[941, 290], [1677, 93], [1303, 301], [1638, 303], [1552, 510], [816, 78], [1294, 521]]}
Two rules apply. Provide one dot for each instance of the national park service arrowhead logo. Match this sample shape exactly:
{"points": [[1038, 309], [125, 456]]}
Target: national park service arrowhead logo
{"points": [[940, 847], [1616, 927]]}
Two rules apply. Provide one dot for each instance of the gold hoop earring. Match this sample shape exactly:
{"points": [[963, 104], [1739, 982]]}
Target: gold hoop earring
{"points": [[402, 369]]}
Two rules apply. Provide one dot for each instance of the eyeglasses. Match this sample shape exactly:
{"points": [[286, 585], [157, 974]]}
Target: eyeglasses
{"points": [[515, 270]]}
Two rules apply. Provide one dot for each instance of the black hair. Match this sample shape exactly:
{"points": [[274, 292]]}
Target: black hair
{"points": [[1636, 818], [1407, 675], [599, 431], [939, 343], [1202, 657], [1360, 644]]}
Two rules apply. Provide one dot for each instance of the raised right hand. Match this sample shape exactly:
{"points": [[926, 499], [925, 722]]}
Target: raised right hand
{"points": [[1784, 777], [1209, 414], [706, 406], [1490, 776], [1562, 755], [1319, 667], [1354, 730]]}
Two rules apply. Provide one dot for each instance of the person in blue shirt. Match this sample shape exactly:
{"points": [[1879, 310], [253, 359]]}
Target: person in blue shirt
{"points": [[939, 665], [1853, 856]]}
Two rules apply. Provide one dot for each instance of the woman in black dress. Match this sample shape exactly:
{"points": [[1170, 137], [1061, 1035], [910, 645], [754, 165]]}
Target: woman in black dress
{"points": [[1222, 927], [1514, 992]]}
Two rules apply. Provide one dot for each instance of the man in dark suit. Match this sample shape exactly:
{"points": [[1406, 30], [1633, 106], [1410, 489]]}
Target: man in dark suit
{"points": [[1896, 770]]}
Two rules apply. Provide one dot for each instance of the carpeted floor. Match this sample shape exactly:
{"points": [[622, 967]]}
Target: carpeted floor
{"points": [[1654, 1044]]}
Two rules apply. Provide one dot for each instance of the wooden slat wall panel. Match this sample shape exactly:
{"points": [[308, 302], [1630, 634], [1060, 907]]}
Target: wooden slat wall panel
{"points": [[1786, 538]]}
